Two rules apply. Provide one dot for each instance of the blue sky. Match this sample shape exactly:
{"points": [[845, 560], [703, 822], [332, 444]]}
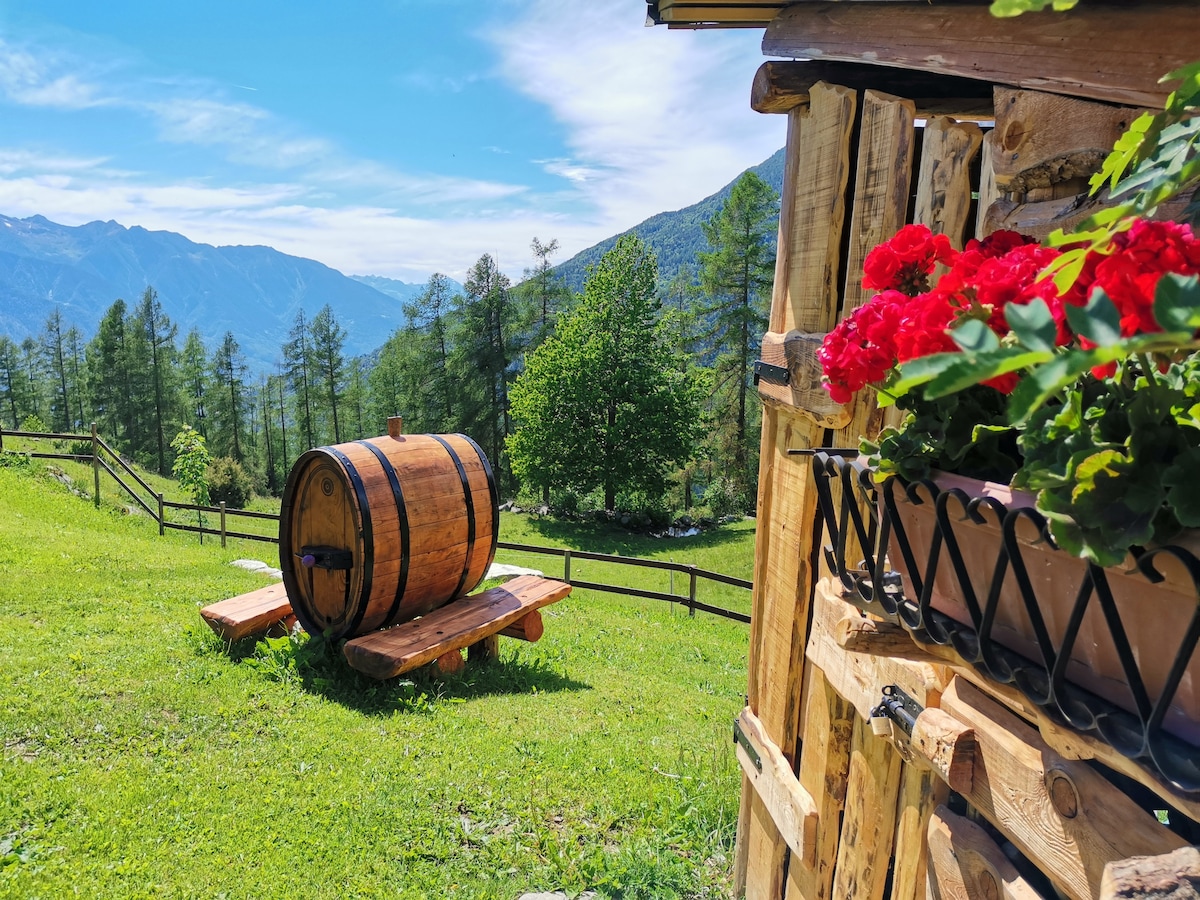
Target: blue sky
{"points": [[391, 137]]}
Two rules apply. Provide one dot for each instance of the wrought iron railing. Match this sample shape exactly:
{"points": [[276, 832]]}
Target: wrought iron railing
{"points": [[885, 566]]}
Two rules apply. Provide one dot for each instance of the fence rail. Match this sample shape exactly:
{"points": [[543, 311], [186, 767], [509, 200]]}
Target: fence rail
{"points": [[105, 458]]}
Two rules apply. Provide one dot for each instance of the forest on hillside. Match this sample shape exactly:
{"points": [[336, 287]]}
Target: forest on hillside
{"points": [[633, 393]]}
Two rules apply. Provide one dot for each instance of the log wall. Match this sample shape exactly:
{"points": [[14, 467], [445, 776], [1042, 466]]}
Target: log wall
{"points": [[985, 798]]}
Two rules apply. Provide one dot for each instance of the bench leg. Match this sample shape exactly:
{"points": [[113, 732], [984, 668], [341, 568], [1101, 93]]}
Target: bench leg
{"points": [[485, 649]]}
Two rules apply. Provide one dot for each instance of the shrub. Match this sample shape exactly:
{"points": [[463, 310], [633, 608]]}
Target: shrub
{"points": [[229, 482], [33, 422], [723, 497]]}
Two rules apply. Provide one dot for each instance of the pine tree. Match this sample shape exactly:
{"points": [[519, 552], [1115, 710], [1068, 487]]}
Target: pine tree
{"points": [[327, 340], [297, 367], [229, 399], [54, 362], [158, 339], [109, 381], [737, 277]]}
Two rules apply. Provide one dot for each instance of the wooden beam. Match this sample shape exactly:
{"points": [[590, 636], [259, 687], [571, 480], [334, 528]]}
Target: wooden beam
{"points": [[965, 863], [921, 792], [780, 86], [250, 613], [1103, 51], [1062, 814], [1173, 876], [791, 807], [1043, 139], [944, 180], [796, 353]]}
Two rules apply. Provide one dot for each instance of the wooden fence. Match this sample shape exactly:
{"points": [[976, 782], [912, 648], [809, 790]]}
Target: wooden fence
{"points": [[103, 457]]}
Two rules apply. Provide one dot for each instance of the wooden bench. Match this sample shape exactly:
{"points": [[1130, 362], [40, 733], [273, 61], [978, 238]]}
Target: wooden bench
{"points": [[473, 621], [248, 614]]}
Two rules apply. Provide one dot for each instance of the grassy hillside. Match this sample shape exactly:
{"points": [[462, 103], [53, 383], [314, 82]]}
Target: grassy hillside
{"points": [[141, 757]]}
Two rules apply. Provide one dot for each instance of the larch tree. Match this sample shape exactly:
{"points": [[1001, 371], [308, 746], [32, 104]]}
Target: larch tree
{"points": [[158, 335], [603, 404], [327, 343], [109, 380], [736, 277], [229, 399], [54, 360], [297, 368]]}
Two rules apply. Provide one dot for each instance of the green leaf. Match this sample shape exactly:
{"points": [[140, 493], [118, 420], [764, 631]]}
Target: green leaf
{"points": [[974, 336], [920, 371], [1033, 324], [1045, 381], [1098, 320], [1183, 487], [1177, 303], [976, 368]]}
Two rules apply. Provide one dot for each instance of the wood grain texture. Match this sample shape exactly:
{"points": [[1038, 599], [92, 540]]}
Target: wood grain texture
{"points": [[797, 352], [966, 864], [988, 192], [249, 613], [805, 298], [944, 181], [385, 654], [1172, 876], [780, 86], [1114, 52], [1042, 139], [529, 627], [824, 770], [812, 251], [921, 792], [869, 822], [790, 806], [1062, 814]]}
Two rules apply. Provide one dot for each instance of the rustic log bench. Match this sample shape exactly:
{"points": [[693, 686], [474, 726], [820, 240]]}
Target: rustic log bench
{"points": [[474, 622]]}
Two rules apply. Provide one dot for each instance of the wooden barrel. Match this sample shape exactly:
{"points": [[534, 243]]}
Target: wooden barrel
{"points": [[380, 531]]}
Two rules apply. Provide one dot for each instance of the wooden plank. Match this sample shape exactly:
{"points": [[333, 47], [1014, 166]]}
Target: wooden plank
{"points": [[811, 301], [249, 613], [869, 823], [797, 353], [780, 86], [1063, 740], [860, 677], [944, 181], [805, 298], [791, 807], [881, 192], [824, 771], [1173, 876], [921, 792], [385, 654], [1062, 814], [988, 192], [1043, 139], [965, 863], [1110, 52]]}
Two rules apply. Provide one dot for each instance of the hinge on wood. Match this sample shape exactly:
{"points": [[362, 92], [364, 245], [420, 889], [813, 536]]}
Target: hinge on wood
{"points": [[739, 737], [770, 374], [896, 706]]}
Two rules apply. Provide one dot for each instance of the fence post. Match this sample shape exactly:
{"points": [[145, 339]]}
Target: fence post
{"points": [[96, 465], [222, 523], [162, 529], [692, 592], [567, 566], [1, 437]]}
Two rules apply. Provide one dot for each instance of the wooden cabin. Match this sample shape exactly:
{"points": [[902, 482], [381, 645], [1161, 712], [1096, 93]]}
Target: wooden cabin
{"points": [[938, 113]]}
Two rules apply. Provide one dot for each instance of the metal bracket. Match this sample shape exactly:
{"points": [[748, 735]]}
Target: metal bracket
{"points": [[899, 707], [770, 374], [332, 558], [739, 737]]}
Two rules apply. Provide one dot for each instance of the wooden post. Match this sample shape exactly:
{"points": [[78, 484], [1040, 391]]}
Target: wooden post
{"points": [[692, 591], [222, 523], [485, 649], [95, 467], [162, 529], [395, 427], [567, 566]]}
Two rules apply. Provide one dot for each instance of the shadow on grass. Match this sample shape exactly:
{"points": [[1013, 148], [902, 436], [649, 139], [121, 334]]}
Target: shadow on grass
{"points": [[319, 667], [602, 537]]}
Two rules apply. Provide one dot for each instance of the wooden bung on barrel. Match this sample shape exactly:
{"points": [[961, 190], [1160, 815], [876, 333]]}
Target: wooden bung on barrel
{"points": [[380, 531]]}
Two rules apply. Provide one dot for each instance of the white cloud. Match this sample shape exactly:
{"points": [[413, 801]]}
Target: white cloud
{"points": [[656, 119], [37, 78]]}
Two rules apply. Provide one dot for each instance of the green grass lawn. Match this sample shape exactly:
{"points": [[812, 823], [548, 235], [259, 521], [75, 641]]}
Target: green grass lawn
{"points": [[142, 758]]}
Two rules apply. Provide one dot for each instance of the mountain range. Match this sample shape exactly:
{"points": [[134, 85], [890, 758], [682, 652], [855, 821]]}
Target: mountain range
{"points": [[254, 292]]}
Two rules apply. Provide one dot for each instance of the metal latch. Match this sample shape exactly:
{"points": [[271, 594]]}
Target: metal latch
{"points": [[895, 707], [333, 558], [770, 374], [739, 737]]}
